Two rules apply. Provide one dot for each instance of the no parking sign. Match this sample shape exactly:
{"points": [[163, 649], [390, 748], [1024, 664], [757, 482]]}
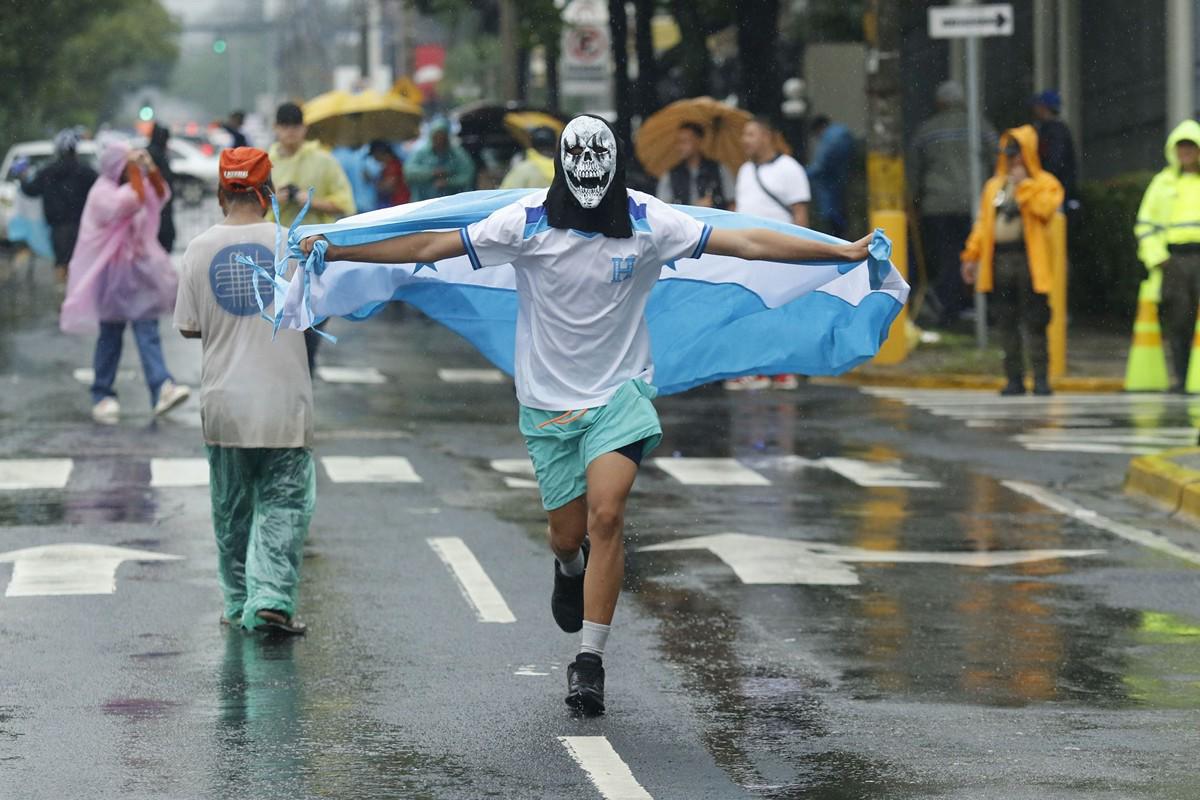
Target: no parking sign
{"points": [[585, 48]]}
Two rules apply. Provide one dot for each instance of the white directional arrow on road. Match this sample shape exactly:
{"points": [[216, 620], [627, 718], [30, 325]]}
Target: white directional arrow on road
{"points": [[764, 560], [61, 569]]}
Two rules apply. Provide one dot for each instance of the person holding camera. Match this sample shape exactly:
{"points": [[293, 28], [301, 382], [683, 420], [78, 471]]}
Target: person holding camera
{"points": [[1008, 255], [298, 165]]}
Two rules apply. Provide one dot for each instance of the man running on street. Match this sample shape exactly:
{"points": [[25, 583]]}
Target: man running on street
{"points": [[587, 252]]}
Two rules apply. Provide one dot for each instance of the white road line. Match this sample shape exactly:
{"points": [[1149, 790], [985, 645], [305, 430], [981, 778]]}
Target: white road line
{"points": [[1128, 532], [710, 472], [350, 375], [513, 466], [361, 433], [1119, 435], [67, 569], [34, 473], [369, 469], [176, 473], [604, 767], [471, 375], [1067, 423], [1084, 446], [530, 671], [518, 472], [1018, 415], [870, 474], [519, 483], [474, 583], [942, 396]]}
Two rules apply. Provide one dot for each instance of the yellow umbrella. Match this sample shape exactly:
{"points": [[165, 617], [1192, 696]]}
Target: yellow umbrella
{"points": [[407, 90], [722, 123], [354, 119], [522, 123]]}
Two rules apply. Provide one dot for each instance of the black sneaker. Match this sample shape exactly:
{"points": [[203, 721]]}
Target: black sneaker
{"points": [[566, 601], [1013, 388], [585, 685], [1041, 387]]}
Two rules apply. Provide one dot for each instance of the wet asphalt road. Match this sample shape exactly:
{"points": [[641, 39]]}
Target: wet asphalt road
{"points": [[877, 672]]}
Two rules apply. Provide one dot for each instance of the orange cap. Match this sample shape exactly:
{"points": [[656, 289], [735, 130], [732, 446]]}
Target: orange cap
{"points": [[245, 168]]}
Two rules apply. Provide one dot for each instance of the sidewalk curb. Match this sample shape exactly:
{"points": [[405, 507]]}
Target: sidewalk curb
{"points": [[966, 381], [1160, 479]]}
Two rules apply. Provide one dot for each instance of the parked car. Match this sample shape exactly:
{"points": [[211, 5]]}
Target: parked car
{"points": [[37, 154]]}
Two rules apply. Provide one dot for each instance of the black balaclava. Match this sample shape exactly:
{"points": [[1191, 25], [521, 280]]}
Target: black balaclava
{"points": [[589, 164]]}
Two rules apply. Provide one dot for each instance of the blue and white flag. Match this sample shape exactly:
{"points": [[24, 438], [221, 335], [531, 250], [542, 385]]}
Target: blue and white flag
{"points": [[709, 318]]}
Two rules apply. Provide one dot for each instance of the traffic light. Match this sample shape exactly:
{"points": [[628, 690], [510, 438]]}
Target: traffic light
{"points": [[220, 46], [146, 112]]}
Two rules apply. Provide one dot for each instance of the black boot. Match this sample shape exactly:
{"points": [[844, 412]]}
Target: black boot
{"points": [[1041, 386], [1014, 387]]}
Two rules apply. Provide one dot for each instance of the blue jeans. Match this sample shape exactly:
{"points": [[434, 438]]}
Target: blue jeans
{"points": [[108, 356]]}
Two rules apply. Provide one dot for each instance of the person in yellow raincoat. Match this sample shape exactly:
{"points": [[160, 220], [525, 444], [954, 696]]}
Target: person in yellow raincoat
{"points": [[301, 164], [1008, 254], [1168, 232], [536, 170]]}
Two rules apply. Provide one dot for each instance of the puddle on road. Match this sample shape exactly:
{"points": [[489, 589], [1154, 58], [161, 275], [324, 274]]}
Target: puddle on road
{"points": [[8, 716], [1026, 635], [766, 727], [283, 722], [32, 508]]}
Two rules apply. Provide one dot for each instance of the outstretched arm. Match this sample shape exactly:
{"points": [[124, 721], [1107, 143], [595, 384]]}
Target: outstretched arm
{"points": [[410, 249], [762, 244]]}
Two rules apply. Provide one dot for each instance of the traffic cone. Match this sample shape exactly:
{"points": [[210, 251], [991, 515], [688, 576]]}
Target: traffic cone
{"points": [[1146, 370], [1193, 376]]}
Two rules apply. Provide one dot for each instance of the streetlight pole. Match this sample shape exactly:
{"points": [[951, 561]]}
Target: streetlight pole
{"points": [[974, 137]]}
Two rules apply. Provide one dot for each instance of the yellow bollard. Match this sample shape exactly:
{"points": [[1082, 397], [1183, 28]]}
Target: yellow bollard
{"points": [[1056, 331], [895, 225]]}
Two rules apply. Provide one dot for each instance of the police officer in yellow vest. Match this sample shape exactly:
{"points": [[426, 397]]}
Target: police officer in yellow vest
{"points": [[1168, 232]]}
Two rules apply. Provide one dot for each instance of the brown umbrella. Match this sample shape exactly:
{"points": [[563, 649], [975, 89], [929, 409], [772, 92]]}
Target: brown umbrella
{"points": [[722, 123]]}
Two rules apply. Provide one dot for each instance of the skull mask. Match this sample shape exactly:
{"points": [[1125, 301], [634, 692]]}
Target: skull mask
{"points": [[589, 159]]}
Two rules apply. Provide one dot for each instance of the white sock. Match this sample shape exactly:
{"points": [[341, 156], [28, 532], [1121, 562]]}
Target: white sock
{"points": [[595, 636], [573, 567]]}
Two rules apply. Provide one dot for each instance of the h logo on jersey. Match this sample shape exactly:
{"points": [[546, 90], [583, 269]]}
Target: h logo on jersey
{"points": [[623, 268]]}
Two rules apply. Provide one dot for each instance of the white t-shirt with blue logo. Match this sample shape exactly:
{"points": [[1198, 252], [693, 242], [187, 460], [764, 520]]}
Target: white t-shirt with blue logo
{"points": [[581, 327], [254, 392]]}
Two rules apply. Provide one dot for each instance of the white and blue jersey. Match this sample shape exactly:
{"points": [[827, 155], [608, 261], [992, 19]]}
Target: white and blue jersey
{"points": [[581, 326]]}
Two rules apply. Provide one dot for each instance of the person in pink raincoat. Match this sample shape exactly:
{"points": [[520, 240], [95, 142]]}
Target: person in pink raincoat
{"points": [[120, 274]]}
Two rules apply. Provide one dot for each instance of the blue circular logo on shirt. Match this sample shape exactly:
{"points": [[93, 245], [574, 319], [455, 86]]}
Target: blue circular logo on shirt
{"points": [[233, 282]]}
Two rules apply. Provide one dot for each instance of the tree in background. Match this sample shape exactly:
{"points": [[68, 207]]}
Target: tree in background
{"points": [[66, 61], [541, 25], [134, 46]]}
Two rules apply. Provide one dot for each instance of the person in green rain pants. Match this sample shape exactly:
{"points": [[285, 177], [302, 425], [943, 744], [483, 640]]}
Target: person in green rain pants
{"points": [[255, 405], [1168, 232]]}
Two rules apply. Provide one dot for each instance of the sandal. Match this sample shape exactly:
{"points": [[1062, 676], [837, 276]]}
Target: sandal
{"points": [[278, 622]]}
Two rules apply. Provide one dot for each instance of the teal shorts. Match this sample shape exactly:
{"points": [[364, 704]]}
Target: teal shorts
{"points": [[562, 443]]}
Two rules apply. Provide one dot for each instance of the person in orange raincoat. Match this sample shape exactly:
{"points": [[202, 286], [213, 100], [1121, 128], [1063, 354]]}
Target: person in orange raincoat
{"points": [[1008, 254]]}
